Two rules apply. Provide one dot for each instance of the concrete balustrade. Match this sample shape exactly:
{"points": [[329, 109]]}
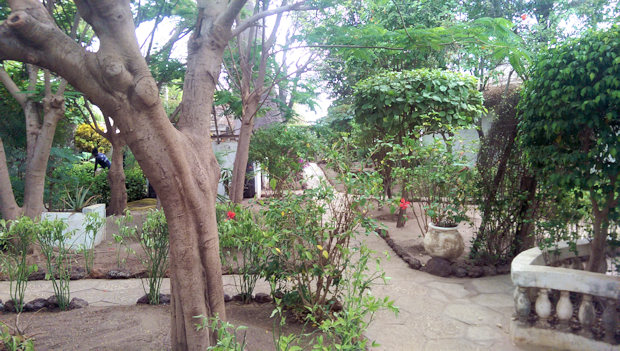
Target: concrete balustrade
{"points": [[564, 307]]}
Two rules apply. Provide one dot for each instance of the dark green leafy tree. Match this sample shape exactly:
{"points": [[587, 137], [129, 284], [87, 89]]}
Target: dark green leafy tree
{"points": [[389, 105], [571, 126]]}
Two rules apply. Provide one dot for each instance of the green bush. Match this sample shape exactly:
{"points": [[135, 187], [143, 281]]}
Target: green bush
{"points": [[282, 151], [81, 175], [240, 229], [570, 123]]}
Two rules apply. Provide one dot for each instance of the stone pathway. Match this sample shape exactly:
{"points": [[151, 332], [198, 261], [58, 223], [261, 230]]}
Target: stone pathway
{"points": [[441, 313]]}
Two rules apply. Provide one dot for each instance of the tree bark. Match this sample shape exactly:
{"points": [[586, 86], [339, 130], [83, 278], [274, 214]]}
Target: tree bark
{"points": [[8, 207], [116, 179], [243, 149], [179, 163]]}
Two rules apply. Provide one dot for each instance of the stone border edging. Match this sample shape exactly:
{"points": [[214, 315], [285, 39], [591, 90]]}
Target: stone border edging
{"points": [[442, 267]]}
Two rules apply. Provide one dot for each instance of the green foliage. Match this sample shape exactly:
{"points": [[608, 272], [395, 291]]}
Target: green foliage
{"points": [[247, 246], [571, 121], [423, 100], [135, 182], [17, 236], [282, 151], [92, 224], [78, 200], [433, 175], [80, 176], [154, 241], [56, 253], [86, 138], [16, 342], [125, 233], [226, 334], [345, 329]]}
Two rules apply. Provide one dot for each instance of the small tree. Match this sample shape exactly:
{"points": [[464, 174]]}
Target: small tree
{"points": [[571, 126], [390, 105]]}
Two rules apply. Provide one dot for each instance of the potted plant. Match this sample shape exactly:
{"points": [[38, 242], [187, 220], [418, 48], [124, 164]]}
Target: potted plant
{"points": [[438, 187]]}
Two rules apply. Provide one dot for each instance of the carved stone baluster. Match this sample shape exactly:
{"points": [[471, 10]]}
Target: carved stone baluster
{"points": [[586, 312], [564, 308], [543, 306], [523, 306], [609, 320]]}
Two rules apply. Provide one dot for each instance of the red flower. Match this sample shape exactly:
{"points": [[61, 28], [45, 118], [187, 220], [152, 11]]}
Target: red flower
{"points": [[230, 215], [404, 204], [523, 16]]}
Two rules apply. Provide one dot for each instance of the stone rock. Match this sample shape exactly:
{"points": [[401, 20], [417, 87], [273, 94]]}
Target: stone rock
{"points": [[227, 298], [503, 269], [9, 306], [438, 266], [52, 301], [38, 275], [77, 273], [77, 303], [443, 242], [489, 271], [262, 298], [97, 273], [413, 262], [35, 305], [399, 250], [459, 272], [475, 272], [164, 299], [118, 275], [144, 300]]}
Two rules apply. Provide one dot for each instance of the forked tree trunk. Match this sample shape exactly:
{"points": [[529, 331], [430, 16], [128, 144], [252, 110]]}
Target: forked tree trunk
{"points": [[180, 163], [39, 144]]}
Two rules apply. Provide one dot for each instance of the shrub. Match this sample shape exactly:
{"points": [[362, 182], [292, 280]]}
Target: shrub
{"points": [[242, 230], [80, 175], [505, 188], [282, 151], [58, 263], [154, 241], [570, 122], [86, 138], [18, 236]]}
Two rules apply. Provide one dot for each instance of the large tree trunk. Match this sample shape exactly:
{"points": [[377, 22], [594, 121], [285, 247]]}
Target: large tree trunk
{"points": [[116, 179], [180, 163]]}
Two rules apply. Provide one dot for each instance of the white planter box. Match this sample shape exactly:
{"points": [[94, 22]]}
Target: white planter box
{"points": [[75, 224]]}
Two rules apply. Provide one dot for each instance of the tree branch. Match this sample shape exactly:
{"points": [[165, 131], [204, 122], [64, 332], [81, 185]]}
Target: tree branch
{"points": [[12, 88], [298, 6]]}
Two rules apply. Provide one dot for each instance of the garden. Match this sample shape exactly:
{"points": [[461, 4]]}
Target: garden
{"points": [[462, 190]]}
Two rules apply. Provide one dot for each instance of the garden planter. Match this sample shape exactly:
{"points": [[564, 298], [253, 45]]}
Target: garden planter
{"points": [[76, 226], [443, 242]]}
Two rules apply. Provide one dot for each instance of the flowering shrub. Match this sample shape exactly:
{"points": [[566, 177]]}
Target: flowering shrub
{"points": [[244, 246]]}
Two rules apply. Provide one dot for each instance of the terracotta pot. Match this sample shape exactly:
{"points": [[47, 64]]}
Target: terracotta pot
{"points": [[443, 242]]}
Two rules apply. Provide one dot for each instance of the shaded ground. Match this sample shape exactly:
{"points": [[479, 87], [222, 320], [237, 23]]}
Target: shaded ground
{"points": [[140, 327]]}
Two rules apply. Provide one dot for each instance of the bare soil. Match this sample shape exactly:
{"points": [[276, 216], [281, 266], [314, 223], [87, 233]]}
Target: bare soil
{"points": [[140, 327]]}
